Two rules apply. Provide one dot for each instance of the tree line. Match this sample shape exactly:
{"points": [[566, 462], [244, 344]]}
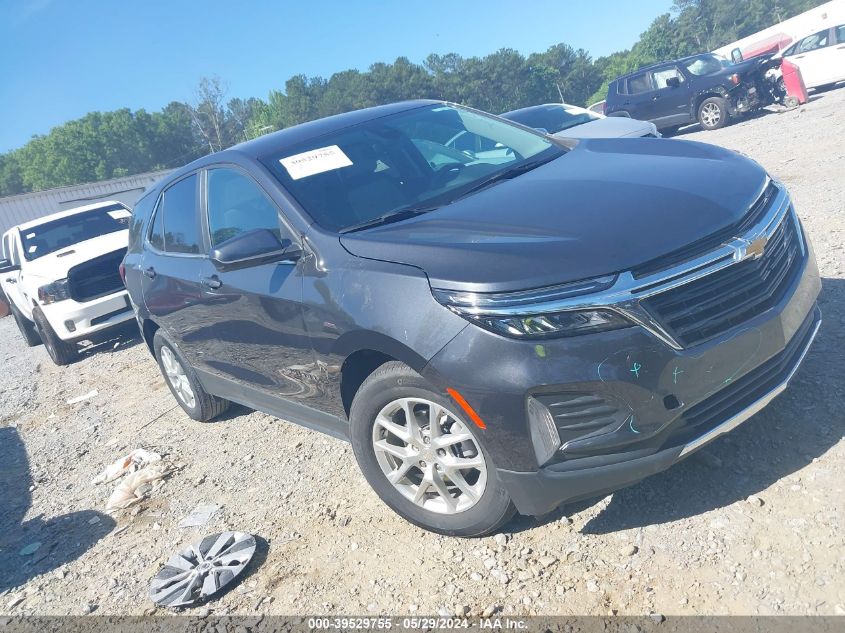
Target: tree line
{"points": [[104, 145]]}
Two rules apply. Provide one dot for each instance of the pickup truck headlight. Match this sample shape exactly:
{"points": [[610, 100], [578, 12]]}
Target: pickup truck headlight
{"points": [[56, 291], [536, 314]]}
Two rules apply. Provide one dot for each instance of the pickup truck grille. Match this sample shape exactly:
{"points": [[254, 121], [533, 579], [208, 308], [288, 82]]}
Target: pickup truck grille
{"points": [[96, 278], [707, 307]]}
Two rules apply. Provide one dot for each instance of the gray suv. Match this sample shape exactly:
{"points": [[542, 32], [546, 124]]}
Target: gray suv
{"points": [[504, 327]]}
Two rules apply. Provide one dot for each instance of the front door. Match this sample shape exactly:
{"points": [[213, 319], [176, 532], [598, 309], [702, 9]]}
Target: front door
{"points": [[814, 57], [252, 334], [670, 100]]}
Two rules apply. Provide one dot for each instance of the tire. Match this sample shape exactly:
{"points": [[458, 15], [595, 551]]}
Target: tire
{"points": [[183, 382], [713, 113], [486, 505], [26, 327], [60, 352], [670, 131]]}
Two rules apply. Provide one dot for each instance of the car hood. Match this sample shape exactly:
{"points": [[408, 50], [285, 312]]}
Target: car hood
{"points": [[609, 127], [56, 265], [606, 206]]}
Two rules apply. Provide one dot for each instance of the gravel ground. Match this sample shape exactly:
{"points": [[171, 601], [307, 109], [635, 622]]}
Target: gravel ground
{"points": [[751, 525]]}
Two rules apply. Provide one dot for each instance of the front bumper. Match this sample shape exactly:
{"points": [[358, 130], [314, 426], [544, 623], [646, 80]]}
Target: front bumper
{"points": [[539, 492], [74, 321]]}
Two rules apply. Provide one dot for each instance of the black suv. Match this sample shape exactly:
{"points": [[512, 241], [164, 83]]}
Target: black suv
{"points": [[495, 329], [700, 88]]}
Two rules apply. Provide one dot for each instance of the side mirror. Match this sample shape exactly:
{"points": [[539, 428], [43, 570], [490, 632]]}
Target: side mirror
{"points": [[7, 266], [673, 82], [541, 130], [251, 248]]}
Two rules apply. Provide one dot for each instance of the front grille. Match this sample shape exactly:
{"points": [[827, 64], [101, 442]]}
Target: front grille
{"points": [[709, 306], [742, 393], [96, 278]]}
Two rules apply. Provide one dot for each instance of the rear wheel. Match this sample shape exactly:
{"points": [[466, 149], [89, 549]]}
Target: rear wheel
{"points": [[61, 352], [422, 458], [183, 382], [26, 327], [713, 113]]}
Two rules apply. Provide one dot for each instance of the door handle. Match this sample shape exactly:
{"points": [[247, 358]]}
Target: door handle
{"points": [[841, 46], [799, 57], [212, 283], [150, 272], [11, 280]]}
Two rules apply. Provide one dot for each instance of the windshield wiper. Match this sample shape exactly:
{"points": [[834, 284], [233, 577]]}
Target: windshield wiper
{"points": [[389, 218], [507, 174]]}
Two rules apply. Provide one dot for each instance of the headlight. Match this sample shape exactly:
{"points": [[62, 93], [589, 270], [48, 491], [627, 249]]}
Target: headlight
{"points": [[534, 314], [56, 291]]}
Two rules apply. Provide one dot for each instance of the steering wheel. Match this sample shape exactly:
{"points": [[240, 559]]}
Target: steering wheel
{"points": [[447, 173]]}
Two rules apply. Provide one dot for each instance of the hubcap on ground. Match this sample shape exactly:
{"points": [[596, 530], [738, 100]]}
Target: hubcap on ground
{"points": [[202, 569], [429, 456], [176, 376], [711, 114]]}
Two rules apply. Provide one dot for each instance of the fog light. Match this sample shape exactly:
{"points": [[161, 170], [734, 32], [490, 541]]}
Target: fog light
{"points": [[70, 325], [544, 433]]}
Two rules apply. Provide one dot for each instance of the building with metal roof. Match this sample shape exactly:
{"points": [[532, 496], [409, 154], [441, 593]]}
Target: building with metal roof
{"points": [[29, 206]]}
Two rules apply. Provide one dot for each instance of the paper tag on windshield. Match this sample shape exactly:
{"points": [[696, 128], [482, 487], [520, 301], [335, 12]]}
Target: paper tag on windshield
{"points": [[119, 214], [315, 161]]}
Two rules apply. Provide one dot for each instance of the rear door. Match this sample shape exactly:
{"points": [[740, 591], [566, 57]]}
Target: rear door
{"points": [[637, 101], [252, 332], [172, 262]]}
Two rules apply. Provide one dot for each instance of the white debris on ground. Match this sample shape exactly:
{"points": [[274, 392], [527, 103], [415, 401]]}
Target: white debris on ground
{"points": [[754, 524]]}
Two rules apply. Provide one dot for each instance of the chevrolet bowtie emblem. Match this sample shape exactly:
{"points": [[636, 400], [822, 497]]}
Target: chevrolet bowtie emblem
{"points": [[756, 247]]}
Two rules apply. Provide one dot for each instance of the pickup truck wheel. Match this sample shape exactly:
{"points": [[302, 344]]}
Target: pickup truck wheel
{"points": [[26, 327], [423, 458], [61, 352], [183, 382], [713, 113]]}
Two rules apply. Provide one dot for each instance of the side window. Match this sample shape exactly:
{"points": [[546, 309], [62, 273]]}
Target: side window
{"points": [[638, 84], [813, 42], [236, 204], [140, 217], [840, 34], [156, 237], [6, 250], [662, 75], [181, 222]]}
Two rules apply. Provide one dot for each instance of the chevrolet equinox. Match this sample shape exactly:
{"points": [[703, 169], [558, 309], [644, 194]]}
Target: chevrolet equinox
{"points": [[500, 324]]}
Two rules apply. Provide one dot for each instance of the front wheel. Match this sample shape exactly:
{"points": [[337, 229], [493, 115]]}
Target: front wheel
{"points": [[26, 327], [422, 458], [61, 352], [713, 113]]}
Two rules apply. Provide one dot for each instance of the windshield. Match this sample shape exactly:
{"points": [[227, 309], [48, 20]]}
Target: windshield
{"points": [[704, 65], [552, 118], [417, 159], [55, 235]]}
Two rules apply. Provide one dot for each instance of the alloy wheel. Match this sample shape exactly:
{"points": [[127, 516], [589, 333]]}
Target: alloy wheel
{"points": [[711, 114], [177, 377], [429, 456]]}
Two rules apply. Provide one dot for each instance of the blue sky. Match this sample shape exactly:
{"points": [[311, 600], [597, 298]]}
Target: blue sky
{"points": [[60, 59]]}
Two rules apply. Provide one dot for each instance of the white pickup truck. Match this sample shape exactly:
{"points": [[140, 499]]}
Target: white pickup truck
{"points": [[61, 274]]}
